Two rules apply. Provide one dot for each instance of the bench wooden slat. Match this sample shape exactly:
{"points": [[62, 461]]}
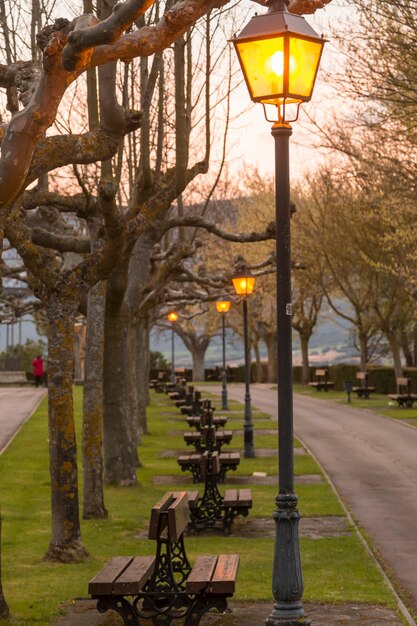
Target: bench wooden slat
{"points": [[201, 574], [245, 497], [192, 497], [230, 456], [224, 577], [402, 382], [134, 576], [230, 497], [189, 458], [178, 516], [161, 505], [102, 583]]}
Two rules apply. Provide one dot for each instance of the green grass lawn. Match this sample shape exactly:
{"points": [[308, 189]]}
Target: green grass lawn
{"points": [[377, 403], [336, 570]]}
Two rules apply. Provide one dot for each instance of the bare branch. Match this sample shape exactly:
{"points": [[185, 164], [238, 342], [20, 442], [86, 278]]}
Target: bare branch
{"points": [[65, 204], [61, 243], [150, 39], [199, 222]]}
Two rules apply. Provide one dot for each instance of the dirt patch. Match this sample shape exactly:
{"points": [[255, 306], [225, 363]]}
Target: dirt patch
{"points": [[304, 479], [260, 452], [82, 612], [258, 431], [310, 527]]}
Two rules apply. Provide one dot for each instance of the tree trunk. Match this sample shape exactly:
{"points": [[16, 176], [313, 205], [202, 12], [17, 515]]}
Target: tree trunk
{"points": [[271, 347], [93, 497], [259, 370], [406, 348], [119, 431], [396, 354], [304, 339], [77, 354], [138, 277], [363, 347], [65, 545], [4, 609], [198, 354], [142, 372], [415, 347]]}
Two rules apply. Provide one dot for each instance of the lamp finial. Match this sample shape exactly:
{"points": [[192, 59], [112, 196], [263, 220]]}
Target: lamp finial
{"points": [[277, 5]]}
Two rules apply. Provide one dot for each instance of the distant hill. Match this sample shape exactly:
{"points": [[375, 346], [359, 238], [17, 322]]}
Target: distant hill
{"points": [[331, 343]]}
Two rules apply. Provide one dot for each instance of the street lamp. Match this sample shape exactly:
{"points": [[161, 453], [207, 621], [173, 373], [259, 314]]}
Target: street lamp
{"points": [[173, 317], [280, 54], [244, 284], [222, 306]]}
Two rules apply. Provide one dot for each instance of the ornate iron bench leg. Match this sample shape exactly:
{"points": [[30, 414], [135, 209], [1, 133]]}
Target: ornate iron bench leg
{"points": [[203, 605], [121, 606]]}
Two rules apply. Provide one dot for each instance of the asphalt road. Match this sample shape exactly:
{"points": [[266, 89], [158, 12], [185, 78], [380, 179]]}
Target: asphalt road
{"points": [[16, 405], [372, 461]]}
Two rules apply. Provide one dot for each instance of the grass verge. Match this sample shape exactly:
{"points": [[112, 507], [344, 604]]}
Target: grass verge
{"points": [[377, 403], [336, 570]]}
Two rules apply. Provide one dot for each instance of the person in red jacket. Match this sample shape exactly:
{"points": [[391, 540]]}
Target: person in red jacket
{"points": [[37, 368]]}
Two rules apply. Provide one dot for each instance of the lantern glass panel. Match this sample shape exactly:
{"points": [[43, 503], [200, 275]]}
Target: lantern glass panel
{"points": [[222, 306], [263, 66], [304, 62], [244, 285]]}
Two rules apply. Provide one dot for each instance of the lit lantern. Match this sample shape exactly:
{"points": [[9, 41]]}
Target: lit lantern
{"points": [[279, 53], [244, 283], [222, 306], [173, 317]]}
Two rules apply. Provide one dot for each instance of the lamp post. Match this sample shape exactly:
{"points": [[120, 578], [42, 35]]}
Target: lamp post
{"points": [[280, 54], [244, 284], [222, 306], [173, 317]]}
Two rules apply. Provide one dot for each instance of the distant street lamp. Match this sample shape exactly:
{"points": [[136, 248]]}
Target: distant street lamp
{"points": [[244, 284], [222, 306], [173, 317], [280, 54]]}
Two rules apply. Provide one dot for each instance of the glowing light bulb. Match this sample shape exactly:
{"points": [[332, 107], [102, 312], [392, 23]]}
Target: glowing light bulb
{"points": [[277, 63]]}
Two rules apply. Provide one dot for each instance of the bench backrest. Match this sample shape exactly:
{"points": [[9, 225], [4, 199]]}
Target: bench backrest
{"points": [[208, 459], [363, 377], [171, 513], [402, 383], [208, 435]]}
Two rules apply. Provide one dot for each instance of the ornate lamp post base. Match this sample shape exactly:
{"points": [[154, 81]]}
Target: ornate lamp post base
{"points": [[287, 581]]}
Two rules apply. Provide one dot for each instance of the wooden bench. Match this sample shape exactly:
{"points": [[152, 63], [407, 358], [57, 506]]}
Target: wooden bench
{"points": [[404, 397], [158, 383], [194, 405], [214, 512], [199, 438], [192, 463], [364, 390], [196, 421], [178, 391], [206, 417], [321, 383], [164, 587], [186, 399]]}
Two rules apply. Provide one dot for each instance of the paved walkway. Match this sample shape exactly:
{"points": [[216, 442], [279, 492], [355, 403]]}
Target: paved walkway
{"points": [[372, 461], [16, 406]]}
